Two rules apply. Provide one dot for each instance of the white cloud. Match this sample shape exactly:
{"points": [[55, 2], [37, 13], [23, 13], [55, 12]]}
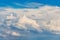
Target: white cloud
{"points": [[51, 14], [24, 20], [45, 14], [15, 34]]}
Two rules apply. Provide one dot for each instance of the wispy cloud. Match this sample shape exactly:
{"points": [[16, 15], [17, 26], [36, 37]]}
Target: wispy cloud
{"points": [[34, 5], [29, 5]]}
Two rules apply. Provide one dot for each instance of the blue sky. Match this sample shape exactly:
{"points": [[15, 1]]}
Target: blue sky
{"points": [[11, 3]]}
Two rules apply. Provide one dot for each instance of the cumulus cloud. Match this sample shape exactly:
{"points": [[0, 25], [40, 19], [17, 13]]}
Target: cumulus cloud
{"points": [[46, 17], [24, 20], [52, 14]]}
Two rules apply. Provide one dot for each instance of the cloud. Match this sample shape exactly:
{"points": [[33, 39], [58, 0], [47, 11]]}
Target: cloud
{"points": [[15, 34], [47, 17], [18, 4], [24, 20], [34, 5], [29, 5], [51, 14]]}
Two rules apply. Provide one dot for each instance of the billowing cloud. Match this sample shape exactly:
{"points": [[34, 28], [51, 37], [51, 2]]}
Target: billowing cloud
{"points": [[51, 18], [45, 17]]}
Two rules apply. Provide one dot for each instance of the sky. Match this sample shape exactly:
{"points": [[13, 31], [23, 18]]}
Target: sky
{"points": [[46, 10], [24, 3], [50, 7]]}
